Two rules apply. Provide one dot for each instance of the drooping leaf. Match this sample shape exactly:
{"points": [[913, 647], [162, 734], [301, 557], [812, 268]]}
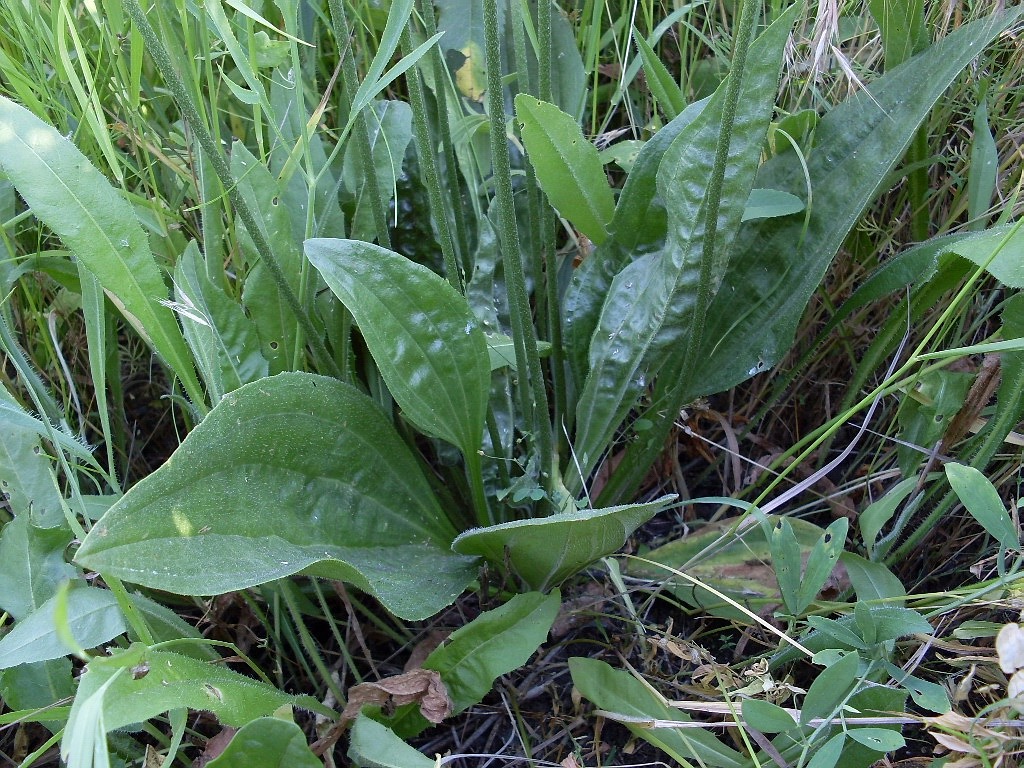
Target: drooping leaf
{"points": [[775, 266], [545, 551], [620, 692], [93, 618], [981, 499], [567, 165], [267, 742], [291, 473], [73, 199], [427, 345]]}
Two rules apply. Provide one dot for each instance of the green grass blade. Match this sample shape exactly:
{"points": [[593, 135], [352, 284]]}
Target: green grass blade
{"points": [[72, 198]]}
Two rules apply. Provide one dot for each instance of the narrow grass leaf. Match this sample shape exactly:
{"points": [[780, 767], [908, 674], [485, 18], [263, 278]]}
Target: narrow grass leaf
{"points": [[427, 345], [902, 25], [268, 742], [567, 165], [74, 200], [291, 473], [981, 499], [981, 175], [880, 512], [92, 617], [547, 550], [829, 688]]}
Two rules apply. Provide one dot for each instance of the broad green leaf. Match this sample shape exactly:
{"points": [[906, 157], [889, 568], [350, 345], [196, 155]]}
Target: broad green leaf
{"points": [[786, 558], [839, 631], [663, 86], [1006, 265], [879, 739], [25, 473], [224, 341], [646, 313], [545, 551], [14, 417], [291, 473], [930, 696], [870, 580], [767, 717], [882, 510], [267, 742], [829, 688], [567, 165], [93, 618], [427, 345], [373, 745], [892, 622], [493, 644], [618, 691], [821, 561], [776, 266], [32, 565], [139, 683], [829, 753], [73, 199], [981, 499], [769, 203], [35, 686]]}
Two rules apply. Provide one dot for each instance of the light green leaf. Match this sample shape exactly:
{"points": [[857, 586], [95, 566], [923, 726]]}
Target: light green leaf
{"points": [[879, 739], [663, 86], [267, 742], [373, 745], [769, 203], [31, 565], [547, 550], [767, 717], [427, 345], [567, 165], [981, 499], [93, 618], [620, 692], [983, 170], [73, 199], [139, 683], [291, 473]]}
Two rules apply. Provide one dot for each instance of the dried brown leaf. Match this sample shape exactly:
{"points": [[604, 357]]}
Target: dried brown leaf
{"points": [[420, 686]]}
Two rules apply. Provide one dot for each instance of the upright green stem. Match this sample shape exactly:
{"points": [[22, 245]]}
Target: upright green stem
{"points": [[174, 83], [532, 393], [364, 151]]}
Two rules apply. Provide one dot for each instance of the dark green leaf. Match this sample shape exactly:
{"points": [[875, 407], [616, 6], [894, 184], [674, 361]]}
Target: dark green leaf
{"points": [[786, 558], [32, 565], [663, 86], [840, 632], [427, 345], [893, 622], [292, 473], [871, 581], [821, 561]]}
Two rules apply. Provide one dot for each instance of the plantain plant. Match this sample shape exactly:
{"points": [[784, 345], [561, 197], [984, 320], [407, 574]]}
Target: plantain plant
{"points": [[394, 423]]}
